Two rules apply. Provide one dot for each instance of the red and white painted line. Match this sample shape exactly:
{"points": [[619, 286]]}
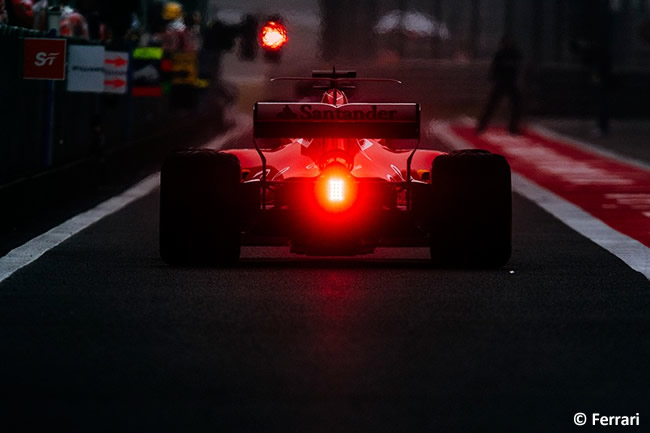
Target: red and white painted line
{"points": [[601, 195]]}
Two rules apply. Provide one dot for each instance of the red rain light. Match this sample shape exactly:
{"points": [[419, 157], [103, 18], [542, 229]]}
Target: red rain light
{"points": [[273, 36], [336, 190]]}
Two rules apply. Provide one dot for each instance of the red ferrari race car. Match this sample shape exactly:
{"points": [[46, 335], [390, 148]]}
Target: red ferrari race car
{"points": [[327, 179]]}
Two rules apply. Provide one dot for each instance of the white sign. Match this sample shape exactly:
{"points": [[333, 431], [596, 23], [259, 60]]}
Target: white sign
{"points": [[86, 69], [116, 68]]}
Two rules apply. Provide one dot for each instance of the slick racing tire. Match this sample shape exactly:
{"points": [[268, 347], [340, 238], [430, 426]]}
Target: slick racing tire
{"points": [[472, 221], [199, 208]]}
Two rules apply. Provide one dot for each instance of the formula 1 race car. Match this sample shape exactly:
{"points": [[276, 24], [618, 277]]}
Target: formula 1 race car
{"points": [[327, 179]]}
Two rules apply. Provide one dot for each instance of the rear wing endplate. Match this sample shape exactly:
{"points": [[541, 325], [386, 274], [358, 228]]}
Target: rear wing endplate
{"points": [[313, 120]]}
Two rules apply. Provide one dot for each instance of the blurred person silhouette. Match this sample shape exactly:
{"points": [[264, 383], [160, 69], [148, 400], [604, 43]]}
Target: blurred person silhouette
{"points": [[90, 10], [19, 13], [644, 32], [504, 72], [4, 19], [71, 24], [597, 59], [194, 24], [40, 15], [176, 37]]}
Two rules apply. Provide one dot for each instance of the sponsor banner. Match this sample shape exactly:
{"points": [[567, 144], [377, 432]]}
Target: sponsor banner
{"points": [[44, 59], [184, 69], [147, 78], [116, 68], [611, 190], [148, 53], [279, 119], [147, 92], [86, 69]]}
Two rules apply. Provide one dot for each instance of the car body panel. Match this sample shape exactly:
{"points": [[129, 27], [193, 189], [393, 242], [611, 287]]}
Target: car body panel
{"points": [[373, 160]]}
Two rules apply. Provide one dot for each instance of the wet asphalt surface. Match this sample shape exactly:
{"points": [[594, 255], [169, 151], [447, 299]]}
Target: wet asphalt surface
{"points": [[100, 335]]}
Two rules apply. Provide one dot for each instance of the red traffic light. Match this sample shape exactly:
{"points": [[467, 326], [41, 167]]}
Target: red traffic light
{"points": [[273, 36]]}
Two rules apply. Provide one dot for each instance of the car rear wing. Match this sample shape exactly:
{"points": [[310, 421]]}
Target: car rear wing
{"points": [[313, 120]]}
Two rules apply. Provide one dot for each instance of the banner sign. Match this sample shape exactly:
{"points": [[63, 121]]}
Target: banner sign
{"points": [[44, 59], [148, 53], [86, 69], [116, 69], [146, 72], [185, 69]]}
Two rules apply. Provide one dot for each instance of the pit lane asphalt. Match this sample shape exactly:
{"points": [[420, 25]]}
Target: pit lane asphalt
{"points": [[100, 335]]}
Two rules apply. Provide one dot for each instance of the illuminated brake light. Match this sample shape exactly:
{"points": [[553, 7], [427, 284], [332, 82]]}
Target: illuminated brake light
{"points": [[336, 190], [273, 35]]}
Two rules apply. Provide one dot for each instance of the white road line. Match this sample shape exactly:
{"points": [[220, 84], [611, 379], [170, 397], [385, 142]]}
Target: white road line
{"points": [[29, 252], [632, 252]]}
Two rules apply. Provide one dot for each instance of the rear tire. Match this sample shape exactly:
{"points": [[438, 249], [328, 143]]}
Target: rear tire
{"points": [[472, 218], [199, 208]]}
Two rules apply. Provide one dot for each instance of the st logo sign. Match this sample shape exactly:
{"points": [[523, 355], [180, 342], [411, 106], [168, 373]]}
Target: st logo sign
{"points": [[44, 59]]}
